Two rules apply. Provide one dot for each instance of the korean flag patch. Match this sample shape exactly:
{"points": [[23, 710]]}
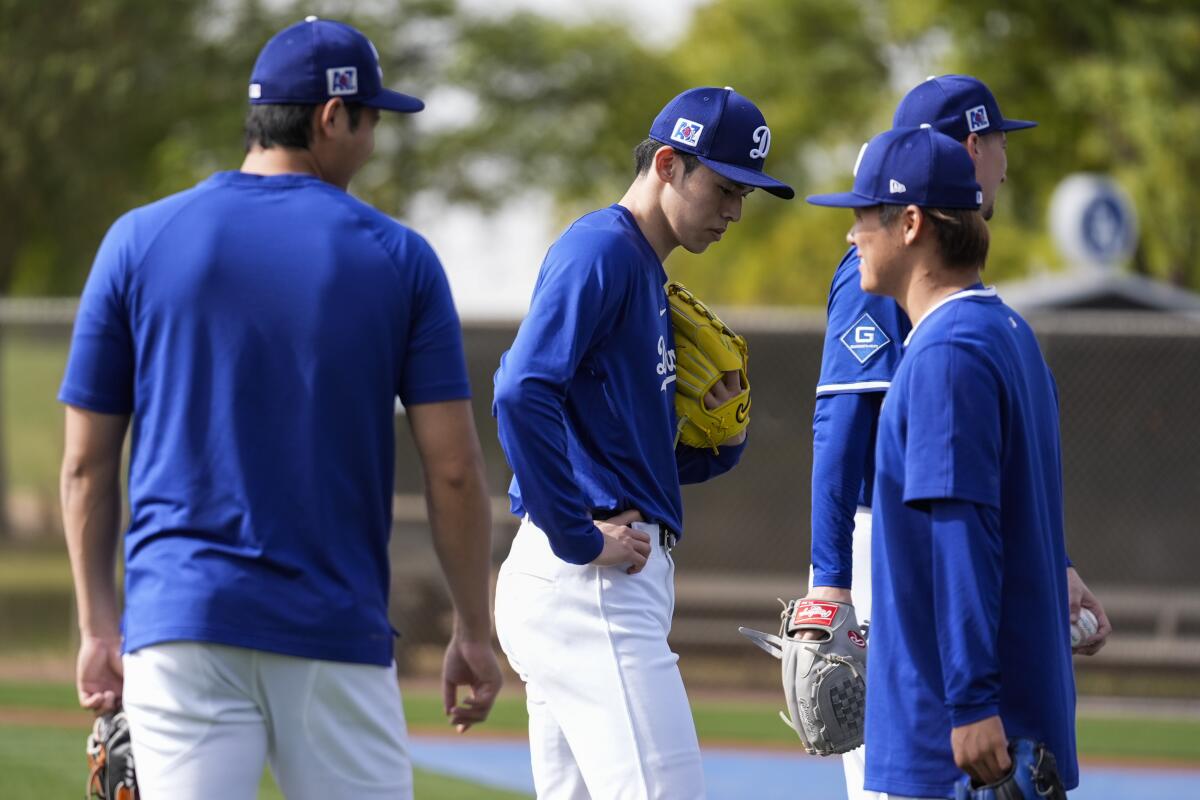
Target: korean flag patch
{"points": [[687, 132], [977, 118], [342, 80]]}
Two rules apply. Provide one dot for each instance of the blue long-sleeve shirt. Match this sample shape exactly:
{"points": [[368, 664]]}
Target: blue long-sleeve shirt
{"points": [[861, 353], [585, 398], [968, 563]]}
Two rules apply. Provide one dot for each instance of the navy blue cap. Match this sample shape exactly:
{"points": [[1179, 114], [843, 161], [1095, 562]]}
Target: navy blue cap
{"points": [[725, 131], [910, 166], [957, 105], [318, 59]]}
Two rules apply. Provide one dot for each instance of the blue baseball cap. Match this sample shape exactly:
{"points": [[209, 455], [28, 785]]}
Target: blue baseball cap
{"points": [[318, 59], [957, 105], [725, 131], [910, 166]]}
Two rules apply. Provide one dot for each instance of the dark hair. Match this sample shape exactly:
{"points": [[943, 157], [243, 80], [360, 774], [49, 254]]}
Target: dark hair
{"points": [[643, 157], [287, 125], [961, 233]]}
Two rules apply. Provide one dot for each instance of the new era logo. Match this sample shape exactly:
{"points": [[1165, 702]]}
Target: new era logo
{"points": [[342, 80], [977, 118], [687, 132], [896, 187]]}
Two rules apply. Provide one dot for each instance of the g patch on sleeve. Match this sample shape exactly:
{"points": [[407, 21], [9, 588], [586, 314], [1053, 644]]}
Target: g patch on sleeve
{"points": [[864, 338]]}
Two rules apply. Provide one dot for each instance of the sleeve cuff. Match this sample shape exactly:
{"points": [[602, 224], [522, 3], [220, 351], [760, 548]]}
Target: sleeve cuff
{"points": [[837, 580], [577, 548], [966, 714]]}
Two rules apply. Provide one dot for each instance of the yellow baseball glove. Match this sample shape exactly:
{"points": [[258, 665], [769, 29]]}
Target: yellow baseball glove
{"points": [[705, 349]]}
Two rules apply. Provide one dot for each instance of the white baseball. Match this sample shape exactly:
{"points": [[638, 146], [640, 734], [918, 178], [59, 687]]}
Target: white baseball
{"points": [[1084, 628]]}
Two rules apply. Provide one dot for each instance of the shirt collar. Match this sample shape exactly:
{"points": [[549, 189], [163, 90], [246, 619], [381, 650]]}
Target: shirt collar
{"points": [[978, 290]]}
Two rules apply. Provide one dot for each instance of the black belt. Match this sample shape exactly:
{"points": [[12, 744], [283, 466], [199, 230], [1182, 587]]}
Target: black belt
{"points": [[666, 537]]}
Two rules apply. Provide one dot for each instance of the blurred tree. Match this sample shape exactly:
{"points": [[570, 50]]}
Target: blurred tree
{"points": [[119, 102], [114, 103], [1115, 88], [557, 107], [817, 71]]}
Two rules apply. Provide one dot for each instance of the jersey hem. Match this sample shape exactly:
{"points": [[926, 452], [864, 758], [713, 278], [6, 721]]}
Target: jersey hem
{"points": [[907, 789], [376, 654]]}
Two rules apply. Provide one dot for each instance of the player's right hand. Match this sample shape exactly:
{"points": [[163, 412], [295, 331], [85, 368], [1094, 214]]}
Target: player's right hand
{"points": [[834, 593], [99, 673], [623, 544]]}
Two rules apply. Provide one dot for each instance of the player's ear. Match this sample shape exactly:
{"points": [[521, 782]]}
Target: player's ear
{"points": [[972, 145], [912, 222], [326, 116], [665, 163]]}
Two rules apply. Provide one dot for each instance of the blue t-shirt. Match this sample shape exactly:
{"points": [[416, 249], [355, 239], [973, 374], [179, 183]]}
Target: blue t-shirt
{"points": [[585, 398], [970, 614], [862, 349], [259, 329]]}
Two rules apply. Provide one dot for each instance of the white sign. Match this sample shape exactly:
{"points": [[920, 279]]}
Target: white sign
{"points": [[1093, 221]]}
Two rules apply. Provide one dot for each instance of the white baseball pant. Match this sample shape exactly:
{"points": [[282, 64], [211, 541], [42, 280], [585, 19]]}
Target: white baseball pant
{"points": [[608, 715], [854, 763], [205, 720]]}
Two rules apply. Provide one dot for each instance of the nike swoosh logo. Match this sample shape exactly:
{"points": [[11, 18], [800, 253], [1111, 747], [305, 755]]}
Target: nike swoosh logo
{"points": [[662, 311], [743, 411]]}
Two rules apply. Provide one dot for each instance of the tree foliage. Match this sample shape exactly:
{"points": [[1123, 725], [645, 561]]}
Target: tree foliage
{"points": [[114, 102]]}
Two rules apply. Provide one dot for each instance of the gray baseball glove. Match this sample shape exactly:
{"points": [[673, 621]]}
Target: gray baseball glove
{"points": [[824, 679]]}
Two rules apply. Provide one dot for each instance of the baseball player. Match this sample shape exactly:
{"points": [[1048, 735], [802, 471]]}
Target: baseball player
{"points": [[970, 639], [257, 330], [585, 406], [863, 345]]}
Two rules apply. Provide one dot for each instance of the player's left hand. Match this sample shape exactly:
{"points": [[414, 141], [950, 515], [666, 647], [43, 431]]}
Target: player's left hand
{"points": [[473, 664], [1081, 597], [981, 750], [835, 593], [724, 390]]}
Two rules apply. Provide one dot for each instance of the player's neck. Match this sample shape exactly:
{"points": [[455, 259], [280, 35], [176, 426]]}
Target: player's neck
{"points": [[929, 286], [283, 161], [646, 207]]}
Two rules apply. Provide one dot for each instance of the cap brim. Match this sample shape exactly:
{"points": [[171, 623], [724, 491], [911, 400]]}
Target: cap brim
{"points": [[1017, 124], [843, 200], [395, 101], [749, 177]]}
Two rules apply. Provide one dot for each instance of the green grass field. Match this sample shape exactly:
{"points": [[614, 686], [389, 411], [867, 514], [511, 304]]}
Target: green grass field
{"points": [[46, 760]]}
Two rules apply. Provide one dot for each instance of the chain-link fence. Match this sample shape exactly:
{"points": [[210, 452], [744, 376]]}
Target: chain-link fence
{"points": [[1129, 385]]}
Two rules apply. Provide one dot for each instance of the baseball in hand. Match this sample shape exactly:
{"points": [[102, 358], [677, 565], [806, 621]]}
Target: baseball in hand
{"points": [[1085, 627]]}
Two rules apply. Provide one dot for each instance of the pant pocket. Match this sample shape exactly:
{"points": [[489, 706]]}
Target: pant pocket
{"points": [[525, 605]]}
